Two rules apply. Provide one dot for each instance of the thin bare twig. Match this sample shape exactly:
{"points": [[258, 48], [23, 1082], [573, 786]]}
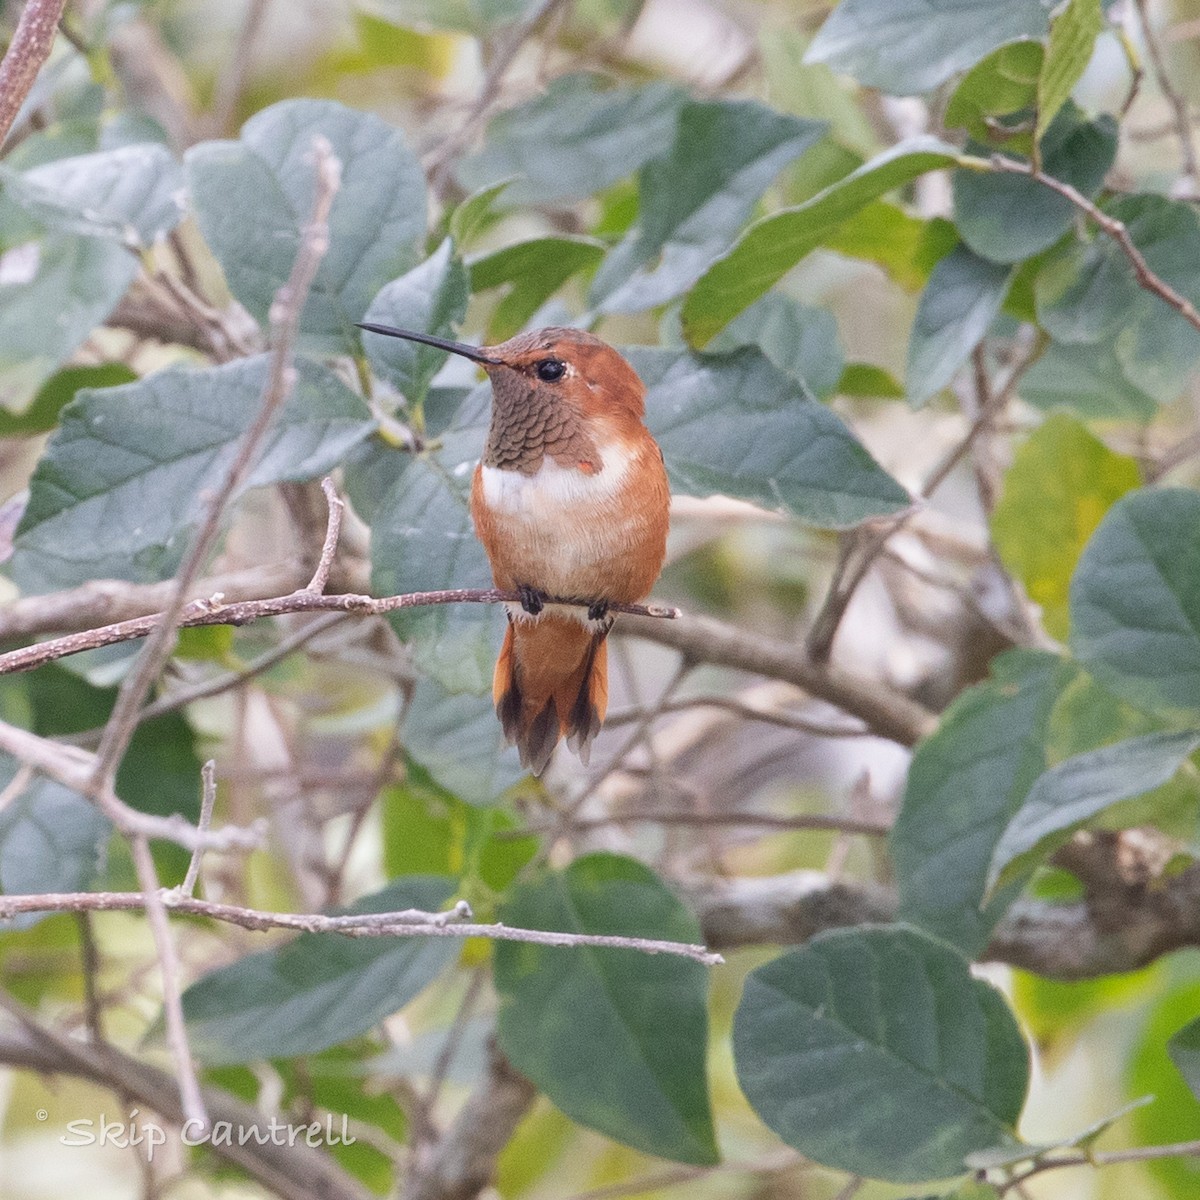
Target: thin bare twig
{"points": [[1115, 229], [208, 798], [74, 767], [231, 82], [455, 923], [1179, 105], [215, 612], [819, 821], [439, 163], [750, 712], [190, 1098], [30, 47], [863, 547], [285, 322], [333, 531]]}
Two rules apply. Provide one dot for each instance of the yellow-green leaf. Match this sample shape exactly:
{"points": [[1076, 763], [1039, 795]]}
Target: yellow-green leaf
{"points": [[1072, 37], [1061, 483]]}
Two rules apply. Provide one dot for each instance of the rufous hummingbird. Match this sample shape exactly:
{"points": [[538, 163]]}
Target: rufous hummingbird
{"points": [[570, 501]]}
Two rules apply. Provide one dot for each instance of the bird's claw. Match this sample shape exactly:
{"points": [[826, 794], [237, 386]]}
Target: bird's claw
{"points": [[532, 599], [598, 610]]}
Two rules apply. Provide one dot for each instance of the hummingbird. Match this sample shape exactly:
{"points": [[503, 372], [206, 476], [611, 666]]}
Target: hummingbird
{"points": [[570, 501]]}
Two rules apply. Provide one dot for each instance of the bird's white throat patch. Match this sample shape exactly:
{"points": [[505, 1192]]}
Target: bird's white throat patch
{"points": [[552, 487]]}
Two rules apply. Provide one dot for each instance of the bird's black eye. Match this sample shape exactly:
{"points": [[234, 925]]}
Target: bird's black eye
{"points": [[551, 370]]}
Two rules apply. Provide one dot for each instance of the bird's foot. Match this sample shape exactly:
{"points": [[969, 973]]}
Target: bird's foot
{"points": [[533, 600], [598, 610]]}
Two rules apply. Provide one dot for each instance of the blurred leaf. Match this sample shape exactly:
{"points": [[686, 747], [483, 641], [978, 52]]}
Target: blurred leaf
{"points": [[422, 540], [812, 90], [615, 1038], [870, 381], [965, 783], [1081, 787], [1001, 85], [1184, 1049], [958, 306], [909, 46], [1090, 294], [1007, 218], [1061, 483], [253, 197], [773, 245], [76, 279], [906, 247], [475, 214], [535, 270], [462, 16], [874, 1051], [1174, 1116], [124, 477], [319, 989], [696, 197], [574, 140], [1135, 600], [458, 740], [1073, 34], [51, 840], [431, 298], [58, 391], [132, 194], [800, 340], [735, 424], [1087, 379]]}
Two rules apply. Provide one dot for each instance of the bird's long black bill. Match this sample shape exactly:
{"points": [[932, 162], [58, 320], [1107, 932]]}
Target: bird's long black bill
{"points": [[471, 352]]}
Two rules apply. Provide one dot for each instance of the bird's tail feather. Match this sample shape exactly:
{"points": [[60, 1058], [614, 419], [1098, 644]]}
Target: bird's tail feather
{"points": [[551, 682]]}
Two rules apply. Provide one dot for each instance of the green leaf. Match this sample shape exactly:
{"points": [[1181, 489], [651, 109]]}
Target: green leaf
{"points": [[1087, 379], [1184, 1049], [958, 306], [1081, 787], [475, 214], [909, 46], [533, 271], [577, 138], [775, 244], [431, 298], [869, 381], [735, 424], [56, 393], [124, 478], [1061, 483], [800, 340], [132, 195], [79, 280], [253, 197], [696, 197], [1090, 294], [615, 1038], [1073, 36], [1002, 85], [458, 740], [1135, 600], [51, 839], [965, 783], [422, 540], [461, 16], [1008, 218], [874, 1051], [906, 247], [1175, 1114], [319, 989]]}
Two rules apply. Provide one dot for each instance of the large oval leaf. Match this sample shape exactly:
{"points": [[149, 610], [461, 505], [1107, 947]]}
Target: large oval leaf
{"points": [[321, 988], [874, 1050], [615, 1038]]}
